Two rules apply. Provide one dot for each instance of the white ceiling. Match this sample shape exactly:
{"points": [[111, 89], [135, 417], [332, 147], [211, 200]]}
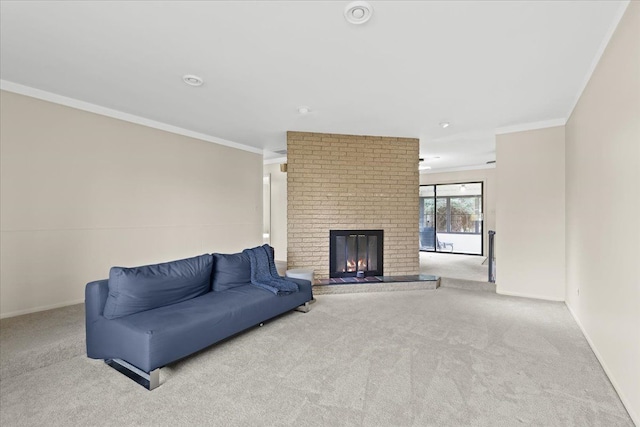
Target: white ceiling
{"points": [[479, 65]]}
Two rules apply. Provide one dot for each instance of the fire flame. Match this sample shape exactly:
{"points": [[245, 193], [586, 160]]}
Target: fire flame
{"points": [[351, 265]]}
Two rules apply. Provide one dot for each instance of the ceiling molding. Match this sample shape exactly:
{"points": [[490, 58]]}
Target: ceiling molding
{"points": [[596, 59], [275, 160], [458, 169], [531, 126], [104, 111]]}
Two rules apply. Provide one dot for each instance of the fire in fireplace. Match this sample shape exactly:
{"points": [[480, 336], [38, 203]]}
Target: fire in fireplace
{"points": [[355, 253]]}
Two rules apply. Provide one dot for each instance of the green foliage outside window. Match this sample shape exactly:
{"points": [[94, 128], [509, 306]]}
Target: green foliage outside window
{"points": [[454, 214]]}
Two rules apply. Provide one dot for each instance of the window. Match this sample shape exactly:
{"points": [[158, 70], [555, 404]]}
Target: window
{"points": [[448, 212], [459, 214]]}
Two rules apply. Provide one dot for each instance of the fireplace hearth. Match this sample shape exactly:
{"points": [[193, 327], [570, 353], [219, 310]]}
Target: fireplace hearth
{"points": [[355, 253]]}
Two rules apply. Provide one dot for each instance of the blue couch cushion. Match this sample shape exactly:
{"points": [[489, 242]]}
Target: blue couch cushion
{"points": [[132, 290], [230, 271], [153, 338]]}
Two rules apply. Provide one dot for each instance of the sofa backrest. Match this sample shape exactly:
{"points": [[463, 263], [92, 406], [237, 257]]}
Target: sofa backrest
{"points": [[230, 270], [136, 289]]}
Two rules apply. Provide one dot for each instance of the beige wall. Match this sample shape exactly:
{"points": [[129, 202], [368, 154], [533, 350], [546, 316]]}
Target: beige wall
{"points": [[83, 192], [278, 238], [530, 211], [487, 177], [352, 182], [603, 207]]}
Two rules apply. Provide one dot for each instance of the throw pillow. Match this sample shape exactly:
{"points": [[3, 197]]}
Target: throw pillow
{"points": [[230, 270]]}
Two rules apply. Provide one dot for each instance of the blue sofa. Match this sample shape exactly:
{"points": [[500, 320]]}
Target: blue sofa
{"points": [[143, 318]]}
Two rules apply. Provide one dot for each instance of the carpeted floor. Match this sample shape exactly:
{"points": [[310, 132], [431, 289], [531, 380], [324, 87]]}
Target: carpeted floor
{"points": [[417, 358], [40, 339], [465, 267]]}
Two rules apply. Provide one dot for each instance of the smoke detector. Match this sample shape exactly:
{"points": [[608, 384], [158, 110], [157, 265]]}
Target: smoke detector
{"points": [[358, 12]]}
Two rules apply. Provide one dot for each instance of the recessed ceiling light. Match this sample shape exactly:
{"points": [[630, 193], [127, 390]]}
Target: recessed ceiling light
{"points": [[444, 125], [304, 110], [358, 12], [424, 167], [192, 80]]}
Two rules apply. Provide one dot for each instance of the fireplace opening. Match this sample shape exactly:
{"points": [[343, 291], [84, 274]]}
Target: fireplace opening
{"points": [[355, 253]]}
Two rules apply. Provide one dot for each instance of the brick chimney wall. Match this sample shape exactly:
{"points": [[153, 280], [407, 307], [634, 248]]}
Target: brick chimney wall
{"points": [[352, 182]]}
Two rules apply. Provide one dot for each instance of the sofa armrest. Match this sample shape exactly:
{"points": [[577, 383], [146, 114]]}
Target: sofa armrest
{"points": [[304, 285], [95, 297]]}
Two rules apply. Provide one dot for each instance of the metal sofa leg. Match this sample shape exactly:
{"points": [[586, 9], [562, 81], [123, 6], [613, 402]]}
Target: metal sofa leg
{"points": [[149, 380], [306, 307]]}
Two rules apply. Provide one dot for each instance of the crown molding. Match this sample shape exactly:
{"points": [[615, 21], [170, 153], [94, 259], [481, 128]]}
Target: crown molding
{"points": [[458, 169], [275, 160], [115, 114], [531, 126], [596, 59]]}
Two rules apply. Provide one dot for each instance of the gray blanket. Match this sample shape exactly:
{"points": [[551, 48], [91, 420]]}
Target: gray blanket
{"points": [[264, 273]]}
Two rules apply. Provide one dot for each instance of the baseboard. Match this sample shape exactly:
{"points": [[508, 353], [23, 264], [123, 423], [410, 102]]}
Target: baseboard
{"points": [[517, 294], [41, 308], [623, 399]]}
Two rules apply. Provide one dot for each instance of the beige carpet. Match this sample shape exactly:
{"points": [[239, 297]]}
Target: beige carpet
{"points": [[417, 358], [40, 339], [466, 267]]}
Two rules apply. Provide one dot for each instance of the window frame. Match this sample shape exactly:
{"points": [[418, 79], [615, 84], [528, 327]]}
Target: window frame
{"points": [[448, 215]]}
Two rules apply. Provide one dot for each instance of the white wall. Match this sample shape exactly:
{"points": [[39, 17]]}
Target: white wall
{"points": [[278, 210], [487, 177], [81, 192], [530, 211], [603, 207]]}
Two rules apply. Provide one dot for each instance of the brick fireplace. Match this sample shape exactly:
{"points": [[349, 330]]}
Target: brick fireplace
{"points": [[352, 182], [356, 253]]}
